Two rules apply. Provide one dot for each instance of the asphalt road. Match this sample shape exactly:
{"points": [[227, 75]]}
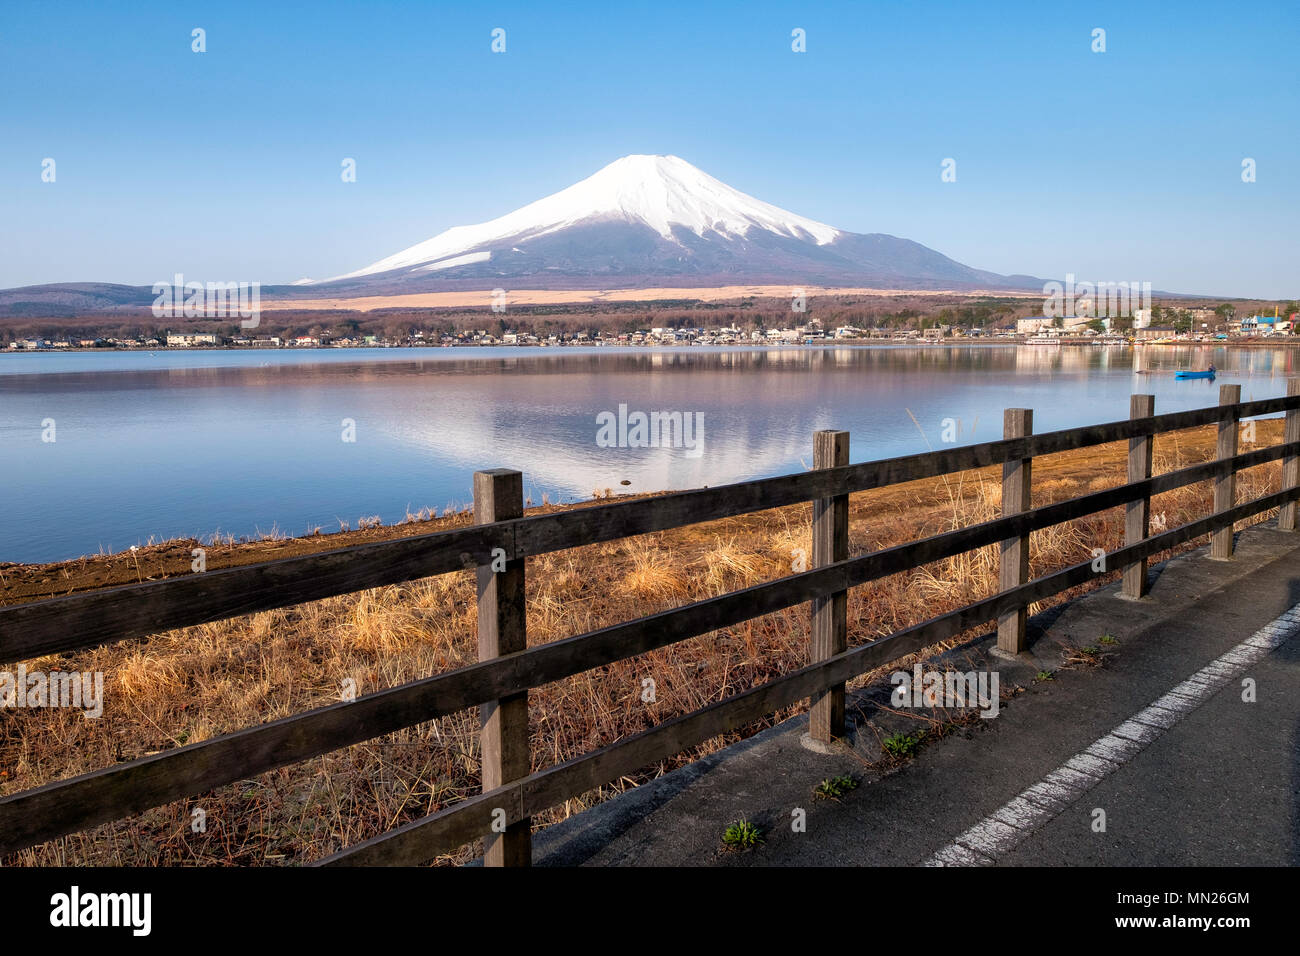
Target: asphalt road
{"points": [[1203, 778]]}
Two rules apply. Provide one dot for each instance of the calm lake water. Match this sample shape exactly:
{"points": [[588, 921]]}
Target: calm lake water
{"points": [[174, 444]]}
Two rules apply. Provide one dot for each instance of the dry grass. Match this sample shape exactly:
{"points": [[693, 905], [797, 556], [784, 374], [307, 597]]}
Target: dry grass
{"points": [[192, 684]]}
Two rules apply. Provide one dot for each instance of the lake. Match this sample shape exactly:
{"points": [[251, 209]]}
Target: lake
{"points": [[196, 443]]}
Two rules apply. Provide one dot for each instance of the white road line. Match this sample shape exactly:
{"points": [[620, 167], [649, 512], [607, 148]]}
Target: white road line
{"points": [[1005, 828]]}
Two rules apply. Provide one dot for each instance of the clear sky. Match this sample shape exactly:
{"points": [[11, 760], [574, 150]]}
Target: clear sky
{"points": [[1122, 165]]}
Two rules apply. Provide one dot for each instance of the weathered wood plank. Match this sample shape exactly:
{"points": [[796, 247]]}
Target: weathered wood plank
{"points": [[1225, 485], [1137, 514], [503, 629], [829, 626], [1013, 553], [1286, 519], [138, 610]]}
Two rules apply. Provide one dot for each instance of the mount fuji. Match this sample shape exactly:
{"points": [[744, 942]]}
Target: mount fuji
{"points": [[640, 222], [644, 219]]}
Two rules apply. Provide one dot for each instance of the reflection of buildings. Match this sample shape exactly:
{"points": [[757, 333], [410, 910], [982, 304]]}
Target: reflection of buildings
{"points": [[1035, 360], [1255, 362], [1068, 360]]}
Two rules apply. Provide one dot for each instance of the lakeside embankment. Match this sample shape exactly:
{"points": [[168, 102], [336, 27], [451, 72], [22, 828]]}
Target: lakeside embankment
{"points": [[192, 684], [22, 582], [1276, 341]]}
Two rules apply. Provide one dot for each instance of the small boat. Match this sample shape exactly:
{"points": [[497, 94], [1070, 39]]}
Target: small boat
{"points": [[1208, 373]]}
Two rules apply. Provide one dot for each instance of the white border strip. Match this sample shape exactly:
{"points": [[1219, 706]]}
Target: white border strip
{"points": [[1004, 829]]}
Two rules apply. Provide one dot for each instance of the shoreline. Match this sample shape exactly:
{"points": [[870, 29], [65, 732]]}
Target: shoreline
{"points": [[22, 582], [1289, 341]]}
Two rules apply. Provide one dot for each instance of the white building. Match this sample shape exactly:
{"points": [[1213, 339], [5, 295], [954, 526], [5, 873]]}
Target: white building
{"points": [[1033, 325], [185, 340]]}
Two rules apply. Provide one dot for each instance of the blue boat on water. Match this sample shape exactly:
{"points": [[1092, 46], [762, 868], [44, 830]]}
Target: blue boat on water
{"points": [[1208, 373]]}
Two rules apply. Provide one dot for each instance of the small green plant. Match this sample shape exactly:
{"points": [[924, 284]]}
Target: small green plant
{"points": [[1108, 639], [1045, 675], [833, 788], [1090, 651], [901, 746], [742, 835]]}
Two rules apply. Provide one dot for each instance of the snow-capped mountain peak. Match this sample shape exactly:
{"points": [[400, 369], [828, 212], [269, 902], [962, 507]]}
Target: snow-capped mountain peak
{"points": [[665, 193], [657, 219]]}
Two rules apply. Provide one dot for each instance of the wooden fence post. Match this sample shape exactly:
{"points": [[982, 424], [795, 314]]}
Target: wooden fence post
{"points": [[1286, 518], [1137, 514], [1225, 486], [1013, 569], [830, 543], [502, 629]]}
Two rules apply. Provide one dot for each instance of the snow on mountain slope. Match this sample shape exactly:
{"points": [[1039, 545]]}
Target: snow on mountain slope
{"points": [[660, 192]]}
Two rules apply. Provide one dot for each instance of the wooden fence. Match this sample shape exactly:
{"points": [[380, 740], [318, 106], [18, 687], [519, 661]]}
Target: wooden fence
{"points": [[503, 537]]}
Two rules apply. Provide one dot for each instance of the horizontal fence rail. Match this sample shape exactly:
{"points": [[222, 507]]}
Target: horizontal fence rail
{"points": [[56, 809]]}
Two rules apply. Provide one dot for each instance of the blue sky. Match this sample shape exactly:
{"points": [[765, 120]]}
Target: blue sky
{"points": [[225, 165]]}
